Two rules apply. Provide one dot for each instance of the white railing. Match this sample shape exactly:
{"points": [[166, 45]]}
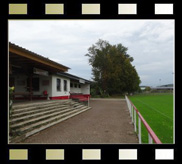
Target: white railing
{"points": [[134, 113]]}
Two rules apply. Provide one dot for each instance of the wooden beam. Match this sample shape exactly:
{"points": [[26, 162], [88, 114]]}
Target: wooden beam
{"points": [[37, 58]]}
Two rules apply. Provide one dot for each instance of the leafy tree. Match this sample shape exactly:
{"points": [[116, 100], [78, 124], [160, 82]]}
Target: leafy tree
{"points": [[111, 68], [147, 89]]}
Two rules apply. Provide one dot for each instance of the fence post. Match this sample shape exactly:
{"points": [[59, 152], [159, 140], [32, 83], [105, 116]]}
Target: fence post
{"points": [[128, 104], [150, 140], [88, 101], [132, 113], [130, 109], [139, 130], [135, 120]]}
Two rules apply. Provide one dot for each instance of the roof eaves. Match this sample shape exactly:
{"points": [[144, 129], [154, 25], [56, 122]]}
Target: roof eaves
{"points": [[72, 76], [37, 55]]}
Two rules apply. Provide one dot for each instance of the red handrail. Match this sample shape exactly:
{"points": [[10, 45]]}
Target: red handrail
{"points": [[149, 129]]}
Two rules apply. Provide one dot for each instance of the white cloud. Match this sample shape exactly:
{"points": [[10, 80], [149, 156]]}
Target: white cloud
{"points": [[150, 42]]}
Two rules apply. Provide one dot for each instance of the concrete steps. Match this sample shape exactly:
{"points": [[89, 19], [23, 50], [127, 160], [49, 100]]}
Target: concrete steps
{"points": [[28, 119], [33, 111]]}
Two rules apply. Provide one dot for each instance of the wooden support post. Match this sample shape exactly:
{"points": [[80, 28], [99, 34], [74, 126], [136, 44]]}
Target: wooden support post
{"points": [[10, 68], [30, 87]]}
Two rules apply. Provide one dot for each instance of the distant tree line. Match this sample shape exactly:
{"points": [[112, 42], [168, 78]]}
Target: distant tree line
{"points": [[112, 70]]}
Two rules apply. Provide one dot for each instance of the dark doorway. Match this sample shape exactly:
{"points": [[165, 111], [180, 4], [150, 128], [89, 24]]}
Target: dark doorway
{"points": [[35, 84]]}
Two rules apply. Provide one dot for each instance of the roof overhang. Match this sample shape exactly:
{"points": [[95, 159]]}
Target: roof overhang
{"points": [[26, 58]]}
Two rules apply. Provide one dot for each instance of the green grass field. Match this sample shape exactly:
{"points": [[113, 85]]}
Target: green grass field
{"points": [[157, 110]]}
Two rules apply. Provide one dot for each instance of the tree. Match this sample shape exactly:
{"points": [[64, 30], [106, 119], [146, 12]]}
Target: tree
{"points": [[147, 89], [111, 68]]}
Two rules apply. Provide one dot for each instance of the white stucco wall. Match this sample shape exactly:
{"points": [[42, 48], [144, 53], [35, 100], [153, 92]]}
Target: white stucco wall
{"points": [[74, 89], [51, 87], [21, 84], [54, 86], [44, 87], [85, 88]]}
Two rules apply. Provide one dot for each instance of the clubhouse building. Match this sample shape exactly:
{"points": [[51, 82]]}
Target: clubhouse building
{"points": [[36, 77]]}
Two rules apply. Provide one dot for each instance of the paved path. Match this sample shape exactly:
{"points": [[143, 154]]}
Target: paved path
{"points": [[107, 122]]}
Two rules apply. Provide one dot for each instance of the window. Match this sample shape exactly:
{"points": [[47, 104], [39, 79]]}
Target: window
{"points": [[79, 86], [75, 85], [71, 85], [65, 85], [58, 85]]}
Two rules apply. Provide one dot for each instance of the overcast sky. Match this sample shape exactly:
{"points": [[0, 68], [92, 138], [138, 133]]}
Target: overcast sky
{"points": [[149, 42]]}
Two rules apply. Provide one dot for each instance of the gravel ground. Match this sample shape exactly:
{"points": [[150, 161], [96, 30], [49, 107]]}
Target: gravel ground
{"points": [[107, 122]]}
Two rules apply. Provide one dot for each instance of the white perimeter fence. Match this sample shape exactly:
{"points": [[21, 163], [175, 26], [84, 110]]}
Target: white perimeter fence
{"points": [[134, 113]]}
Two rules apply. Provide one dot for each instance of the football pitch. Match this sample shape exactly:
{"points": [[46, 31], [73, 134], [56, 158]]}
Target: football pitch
{"points": [[158, 111]]}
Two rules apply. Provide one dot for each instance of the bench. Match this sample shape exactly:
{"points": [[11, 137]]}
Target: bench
{"points": [[24, 94], [30, 95], [78, 97]]}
